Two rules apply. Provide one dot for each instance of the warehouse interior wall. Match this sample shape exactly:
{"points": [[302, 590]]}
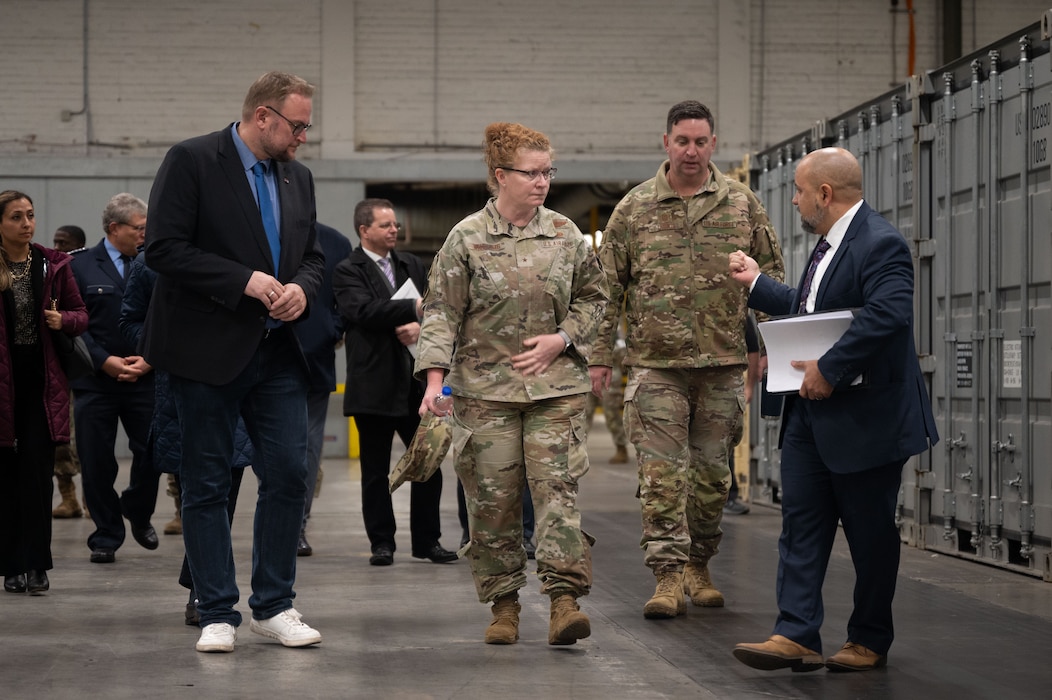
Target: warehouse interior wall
{"points": [[98, 90]]}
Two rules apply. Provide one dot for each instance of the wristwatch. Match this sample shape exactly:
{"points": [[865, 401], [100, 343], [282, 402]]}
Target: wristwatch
{"points": [[566, 339]]}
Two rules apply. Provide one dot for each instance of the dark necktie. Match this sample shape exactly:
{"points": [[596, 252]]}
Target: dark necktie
{"points": [[126, 263], [385, 265], [816, 257], [266, 210]]}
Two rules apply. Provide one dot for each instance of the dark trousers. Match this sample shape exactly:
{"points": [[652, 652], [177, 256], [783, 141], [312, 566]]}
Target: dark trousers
{"points": [[236, 474], [814, 500], [25, 473], [96, 414], [375, 435], [270, 394]]}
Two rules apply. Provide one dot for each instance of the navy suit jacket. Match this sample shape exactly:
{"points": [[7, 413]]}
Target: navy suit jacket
{"points": [[889, 418], [102, 289], [204, 238], [320, 332]]}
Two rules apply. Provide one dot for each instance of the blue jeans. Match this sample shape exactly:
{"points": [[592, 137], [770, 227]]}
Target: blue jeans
{"points": [[271, 395]]}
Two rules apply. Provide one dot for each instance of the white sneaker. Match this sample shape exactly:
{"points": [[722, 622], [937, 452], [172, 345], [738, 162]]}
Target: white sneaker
{"points": [[287, 628], [218, 636]]}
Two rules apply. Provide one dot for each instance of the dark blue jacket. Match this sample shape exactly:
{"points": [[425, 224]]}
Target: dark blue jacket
{"points": [[102, 288], [890, 418], [323, 328], [165, 438]]}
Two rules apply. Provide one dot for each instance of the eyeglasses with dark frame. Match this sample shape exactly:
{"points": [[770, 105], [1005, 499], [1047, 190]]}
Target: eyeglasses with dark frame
{"points": [[138, 229], [532, 175], [297, 128]]}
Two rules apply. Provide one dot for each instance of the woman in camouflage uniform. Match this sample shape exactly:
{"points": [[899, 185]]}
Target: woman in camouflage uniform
{"points": [[515, 296]]}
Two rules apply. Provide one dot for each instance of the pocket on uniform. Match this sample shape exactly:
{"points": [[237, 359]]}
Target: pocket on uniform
{"points": [[489, 285], [634, 430], [577, 455], [100, 290], [463, 457]]}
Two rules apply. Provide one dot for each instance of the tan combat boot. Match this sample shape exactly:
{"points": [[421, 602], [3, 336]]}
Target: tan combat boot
{"points": [[621, 456], [698, 585], [505, 626], [69, 508], [568, 623], [175, 525], [668, 598]]}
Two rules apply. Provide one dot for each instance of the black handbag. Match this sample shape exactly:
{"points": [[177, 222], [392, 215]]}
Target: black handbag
{"points": [[73, 355]]}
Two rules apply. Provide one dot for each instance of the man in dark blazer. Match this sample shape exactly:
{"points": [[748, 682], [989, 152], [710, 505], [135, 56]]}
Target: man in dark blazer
{"points": [[231, 236], [843, 448], [319, 334], [380, 391], [120, 390]]}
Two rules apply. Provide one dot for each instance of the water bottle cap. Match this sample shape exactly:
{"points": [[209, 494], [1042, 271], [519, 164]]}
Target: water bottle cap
{"points": [[446, 391]]}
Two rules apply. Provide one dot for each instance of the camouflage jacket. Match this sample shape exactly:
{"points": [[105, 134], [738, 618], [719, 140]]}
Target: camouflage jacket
{"points": [[666, 258], [491, 286]]}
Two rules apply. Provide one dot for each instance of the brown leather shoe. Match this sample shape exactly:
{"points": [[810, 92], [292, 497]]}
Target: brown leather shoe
{"points": [[778, 652], [855, 657]]}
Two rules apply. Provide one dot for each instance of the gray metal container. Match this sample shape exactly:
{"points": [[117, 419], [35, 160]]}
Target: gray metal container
{"points": [[958, 160]]}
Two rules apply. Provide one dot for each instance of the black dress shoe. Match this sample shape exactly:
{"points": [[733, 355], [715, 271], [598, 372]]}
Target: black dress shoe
{"points": [[530, 547], [15, 584], [145, 535], [303, 548], [437, 554], [103, 555], [382, 556], [37, 582]]}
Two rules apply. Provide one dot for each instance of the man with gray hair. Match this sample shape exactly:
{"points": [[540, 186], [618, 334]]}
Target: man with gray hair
{"points": [[121, 389]]}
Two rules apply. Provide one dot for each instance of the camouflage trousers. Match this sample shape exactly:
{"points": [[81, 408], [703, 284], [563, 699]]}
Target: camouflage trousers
{"points": [[500, 447], [66, 461], [613, 403], [684, 424]]}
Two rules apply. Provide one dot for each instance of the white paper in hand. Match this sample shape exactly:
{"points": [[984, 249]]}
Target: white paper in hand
{"points": [[408, 291], [803, 337]]}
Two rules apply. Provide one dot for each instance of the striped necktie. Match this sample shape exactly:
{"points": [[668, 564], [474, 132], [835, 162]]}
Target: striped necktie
{"points": [[385, 265]]}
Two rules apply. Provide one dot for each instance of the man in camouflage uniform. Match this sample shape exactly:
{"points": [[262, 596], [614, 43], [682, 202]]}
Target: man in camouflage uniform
{"points": [[511, 314], [67, 465], [665, 253], [613, 402]]}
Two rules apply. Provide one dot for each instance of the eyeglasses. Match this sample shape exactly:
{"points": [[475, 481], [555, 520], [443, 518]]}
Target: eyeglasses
{"points": [[532, 175], [137, 229], [297, 128]]}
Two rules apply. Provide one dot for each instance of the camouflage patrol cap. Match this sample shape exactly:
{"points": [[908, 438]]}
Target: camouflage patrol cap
{"points": [[425, 453]]}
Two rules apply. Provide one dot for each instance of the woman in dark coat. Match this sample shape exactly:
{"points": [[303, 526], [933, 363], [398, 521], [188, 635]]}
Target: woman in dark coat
{"points": [[38, 297]]}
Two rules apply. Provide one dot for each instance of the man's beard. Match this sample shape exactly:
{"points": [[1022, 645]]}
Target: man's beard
{"points": [[810, 224]]}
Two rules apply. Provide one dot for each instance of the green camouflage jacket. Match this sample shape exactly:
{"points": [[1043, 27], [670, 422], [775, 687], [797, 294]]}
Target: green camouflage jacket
{"points": [[665, 256], [491, 286]]}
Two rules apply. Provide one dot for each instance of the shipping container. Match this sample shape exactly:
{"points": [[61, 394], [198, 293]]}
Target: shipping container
{"points": [[958, 160]]}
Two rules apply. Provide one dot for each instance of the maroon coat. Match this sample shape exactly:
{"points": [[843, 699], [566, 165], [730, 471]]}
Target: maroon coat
{"points": [[57, 283]]}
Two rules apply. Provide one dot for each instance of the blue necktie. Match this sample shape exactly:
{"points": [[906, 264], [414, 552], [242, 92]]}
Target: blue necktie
{"points": [[266, 209], [816, 257], [126, 262]]}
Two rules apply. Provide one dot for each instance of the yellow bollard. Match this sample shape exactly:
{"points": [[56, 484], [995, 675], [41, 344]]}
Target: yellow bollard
{"points": [[353, 451]]}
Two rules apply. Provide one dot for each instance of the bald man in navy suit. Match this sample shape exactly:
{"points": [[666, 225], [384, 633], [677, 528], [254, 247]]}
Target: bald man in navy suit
{"points": [[843, 448]]}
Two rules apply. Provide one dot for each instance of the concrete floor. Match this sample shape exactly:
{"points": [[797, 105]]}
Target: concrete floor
{"points": [[414, 630]]}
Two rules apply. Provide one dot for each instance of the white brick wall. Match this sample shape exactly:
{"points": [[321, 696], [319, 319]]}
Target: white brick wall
{"points": [[596, 75]]}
